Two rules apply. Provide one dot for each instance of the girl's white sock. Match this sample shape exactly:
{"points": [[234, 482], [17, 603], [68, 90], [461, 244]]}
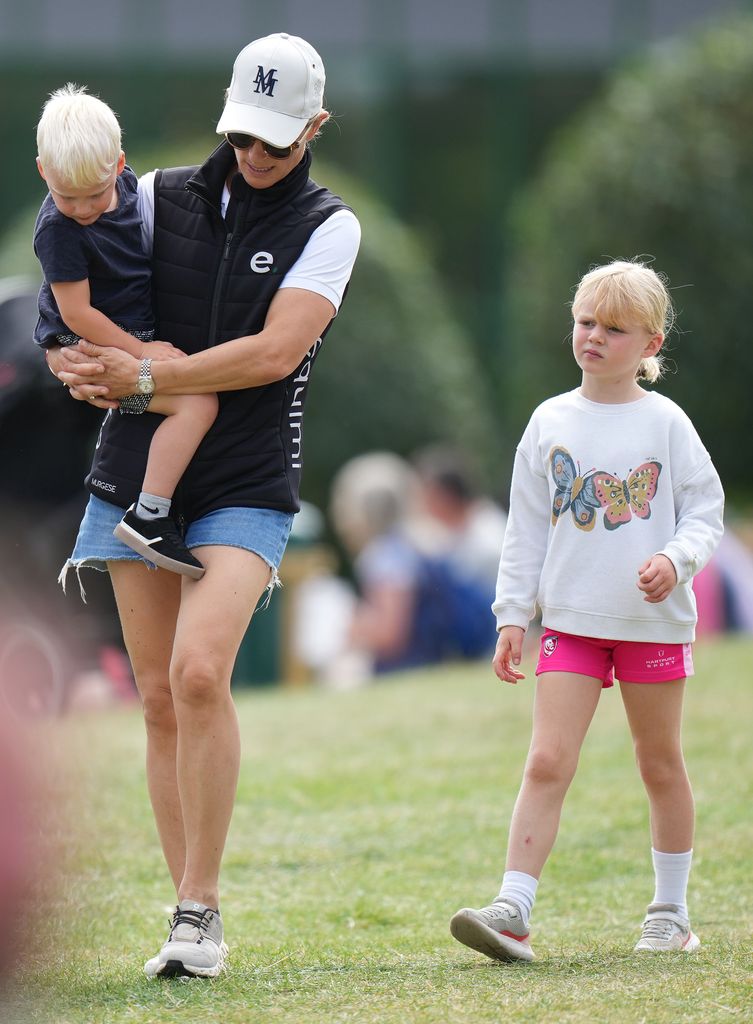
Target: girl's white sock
{"points": [[672, 871], [521, 889]]}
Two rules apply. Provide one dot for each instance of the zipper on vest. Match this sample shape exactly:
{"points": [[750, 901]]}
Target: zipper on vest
{"points": [[218, 282]]}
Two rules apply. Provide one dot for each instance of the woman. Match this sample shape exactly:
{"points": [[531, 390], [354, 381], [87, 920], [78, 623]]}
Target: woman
{"points": [[250, 261]]}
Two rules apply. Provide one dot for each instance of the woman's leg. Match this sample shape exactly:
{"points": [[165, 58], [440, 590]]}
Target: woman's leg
{"points": [[654, 712], [148, 602], [564, 706], [214, 614]]}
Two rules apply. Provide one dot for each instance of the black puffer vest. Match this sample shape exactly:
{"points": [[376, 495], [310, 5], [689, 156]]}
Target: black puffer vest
{"points": [[213, 280]]}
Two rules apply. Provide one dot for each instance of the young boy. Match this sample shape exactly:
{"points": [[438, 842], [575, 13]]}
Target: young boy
{"points": [[97, 286]]}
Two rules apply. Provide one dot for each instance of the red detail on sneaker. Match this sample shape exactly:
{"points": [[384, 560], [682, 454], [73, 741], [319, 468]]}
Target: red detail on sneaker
{"points": [[518, 938]]}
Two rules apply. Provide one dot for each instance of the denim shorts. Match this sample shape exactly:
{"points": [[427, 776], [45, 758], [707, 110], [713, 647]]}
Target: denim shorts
{"points": [[264, 531]]}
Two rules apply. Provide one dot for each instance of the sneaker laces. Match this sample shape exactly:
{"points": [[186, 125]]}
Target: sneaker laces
{"points": [[194, 919], [500, 909], [658, 928]]}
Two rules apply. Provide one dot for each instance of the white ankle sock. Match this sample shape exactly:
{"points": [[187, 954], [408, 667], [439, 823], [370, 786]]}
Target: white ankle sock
{"points": [[151, 506], [672, 871], [521, 889]]}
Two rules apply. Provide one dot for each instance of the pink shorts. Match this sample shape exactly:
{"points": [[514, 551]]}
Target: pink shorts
{"points": [[630, 661]]}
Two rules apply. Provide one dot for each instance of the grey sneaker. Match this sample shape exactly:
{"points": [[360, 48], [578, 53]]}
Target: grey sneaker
{"points": [[194, 947], [666, 930], [497, 931]]}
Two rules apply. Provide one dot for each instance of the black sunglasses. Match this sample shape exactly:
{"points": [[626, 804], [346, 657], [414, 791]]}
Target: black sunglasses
{"points": [[240, 140]]}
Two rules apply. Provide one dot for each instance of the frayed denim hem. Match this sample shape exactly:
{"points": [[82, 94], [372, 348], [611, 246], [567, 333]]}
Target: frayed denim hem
{"points": [[91, 563], [275, 583]]}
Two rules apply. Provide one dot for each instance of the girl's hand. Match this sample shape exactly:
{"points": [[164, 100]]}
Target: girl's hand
{"points": [[508, 654], [161, 350], [657, 579]]}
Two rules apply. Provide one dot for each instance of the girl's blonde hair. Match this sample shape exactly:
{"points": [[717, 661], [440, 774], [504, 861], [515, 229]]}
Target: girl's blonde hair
{"points": [[78, 137], [629, 292]]}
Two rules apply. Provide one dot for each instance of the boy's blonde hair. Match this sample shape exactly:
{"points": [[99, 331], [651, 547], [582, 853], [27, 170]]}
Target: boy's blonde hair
{"points": [[78, 137], [629, 292]]}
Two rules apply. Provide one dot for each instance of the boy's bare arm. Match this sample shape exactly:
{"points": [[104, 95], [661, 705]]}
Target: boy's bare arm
{"points": [[74, 302]]}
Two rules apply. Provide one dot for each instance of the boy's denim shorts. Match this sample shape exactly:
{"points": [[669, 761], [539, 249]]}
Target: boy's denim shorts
{"points": [[264, 531]]}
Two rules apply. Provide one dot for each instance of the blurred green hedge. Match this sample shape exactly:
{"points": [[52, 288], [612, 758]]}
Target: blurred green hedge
{"points": [[662, 164], [397, 370]]}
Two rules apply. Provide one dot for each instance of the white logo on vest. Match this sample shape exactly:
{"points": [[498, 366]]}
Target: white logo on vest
{"points": [[261, 262]]}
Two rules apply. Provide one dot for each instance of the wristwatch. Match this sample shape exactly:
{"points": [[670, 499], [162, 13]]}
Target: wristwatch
{"points": [[145, 385]]}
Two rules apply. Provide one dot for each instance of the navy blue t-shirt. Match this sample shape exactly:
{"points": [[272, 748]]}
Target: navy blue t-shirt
{"points": [[109, 253]]}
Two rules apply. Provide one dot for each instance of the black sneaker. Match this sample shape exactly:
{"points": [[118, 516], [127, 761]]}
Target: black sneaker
{"points": [[158, 541]]}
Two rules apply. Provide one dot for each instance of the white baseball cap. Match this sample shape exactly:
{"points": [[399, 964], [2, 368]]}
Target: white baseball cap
{"points": [[277, 87]]}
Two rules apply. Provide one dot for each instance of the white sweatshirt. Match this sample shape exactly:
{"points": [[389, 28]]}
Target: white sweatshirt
{"points": [[596, 491]]}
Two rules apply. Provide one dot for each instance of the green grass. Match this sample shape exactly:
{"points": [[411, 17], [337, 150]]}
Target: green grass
{"points": [[364, 821]]}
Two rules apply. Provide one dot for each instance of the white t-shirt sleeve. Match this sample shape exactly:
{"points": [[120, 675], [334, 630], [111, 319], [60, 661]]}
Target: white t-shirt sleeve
{"points": [[145, 200], [326, 263]]}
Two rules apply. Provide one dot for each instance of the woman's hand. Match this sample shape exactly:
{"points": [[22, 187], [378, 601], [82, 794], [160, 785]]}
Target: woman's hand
{"points": [[508, 654], [70, 361], [105, 373]]}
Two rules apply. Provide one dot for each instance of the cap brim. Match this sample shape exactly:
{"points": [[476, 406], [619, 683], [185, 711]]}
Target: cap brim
{"points": [[268, 125]]}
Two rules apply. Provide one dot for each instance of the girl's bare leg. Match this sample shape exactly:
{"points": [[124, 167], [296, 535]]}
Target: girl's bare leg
{"points": [[563, 708], [654, 712]]}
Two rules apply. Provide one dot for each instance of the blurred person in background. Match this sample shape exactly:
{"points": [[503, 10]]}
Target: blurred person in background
{"points": [[395, 622], [414, 607], [471, 527], [468, 533], [250, 262]]}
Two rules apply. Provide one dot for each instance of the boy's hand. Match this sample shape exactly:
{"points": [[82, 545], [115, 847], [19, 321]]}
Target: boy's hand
{"points": [[161, 350], [508, 653], [657, 579]]}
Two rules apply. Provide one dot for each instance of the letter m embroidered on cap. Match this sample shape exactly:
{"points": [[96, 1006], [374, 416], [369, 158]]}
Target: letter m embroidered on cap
{"points": [[265, 83]]}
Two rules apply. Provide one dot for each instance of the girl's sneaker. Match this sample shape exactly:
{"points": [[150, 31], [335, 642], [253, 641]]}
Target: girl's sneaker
{"points": [[497, 931], [666, 930]]}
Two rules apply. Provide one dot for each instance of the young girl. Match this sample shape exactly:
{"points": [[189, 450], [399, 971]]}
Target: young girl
{"points": [[615, 506]]}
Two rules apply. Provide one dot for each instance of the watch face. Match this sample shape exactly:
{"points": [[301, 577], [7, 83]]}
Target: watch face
{"points": [[146, 386]]}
